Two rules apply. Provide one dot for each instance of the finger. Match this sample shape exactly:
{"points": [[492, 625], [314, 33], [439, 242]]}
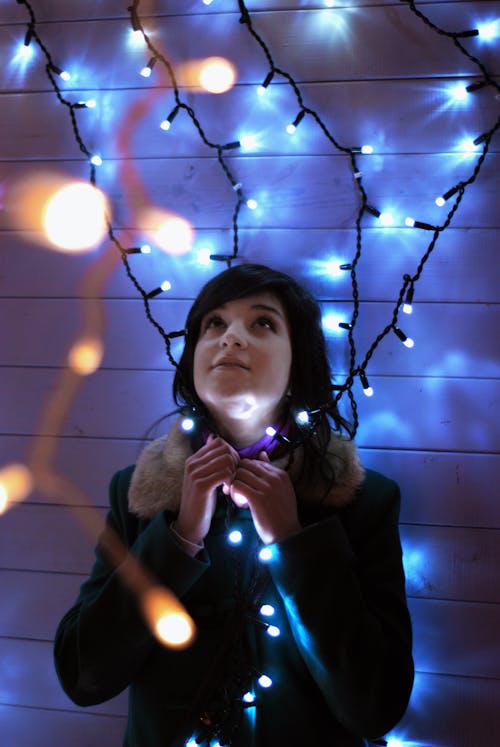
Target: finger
{"points": [[264, 457], [239, 499]]}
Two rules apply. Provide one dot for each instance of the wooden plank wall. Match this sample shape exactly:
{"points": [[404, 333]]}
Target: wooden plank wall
{"points": [[376, 74]]}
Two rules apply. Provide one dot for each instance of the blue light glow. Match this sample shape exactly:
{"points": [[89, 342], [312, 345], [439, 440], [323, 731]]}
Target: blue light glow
{"points": [[489, 31], [459, 92], [252, 204], [187, 424], [235, 537], [302, 417], [249, 142], [203, 255], [273, 631], [331, 323], [266, 554], [249, 697]]}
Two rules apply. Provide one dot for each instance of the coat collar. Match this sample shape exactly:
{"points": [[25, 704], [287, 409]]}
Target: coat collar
{"points": [[156, 483]]}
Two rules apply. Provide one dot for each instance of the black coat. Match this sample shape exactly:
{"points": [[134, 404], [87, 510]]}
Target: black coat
{"points": [[341, 667]]}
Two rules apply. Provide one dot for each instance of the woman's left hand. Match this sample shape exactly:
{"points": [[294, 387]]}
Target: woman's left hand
{"points": [[269, 494]]}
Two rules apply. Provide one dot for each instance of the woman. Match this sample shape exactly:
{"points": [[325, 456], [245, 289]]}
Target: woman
{"points": [[306, 643]]}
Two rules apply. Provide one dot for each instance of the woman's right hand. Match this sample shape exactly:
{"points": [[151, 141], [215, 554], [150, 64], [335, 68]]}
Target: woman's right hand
{"points": [[213, 465]]}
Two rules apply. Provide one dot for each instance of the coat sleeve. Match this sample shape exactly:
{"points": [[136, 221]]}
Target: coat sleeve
{"points": [[103, 640], [343, 587]]}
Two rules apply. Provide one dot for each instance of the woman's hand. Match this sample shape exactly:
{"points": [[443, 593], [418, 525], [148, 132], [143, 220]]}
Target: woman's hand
{"points": [[269, 493], [213, 465]]}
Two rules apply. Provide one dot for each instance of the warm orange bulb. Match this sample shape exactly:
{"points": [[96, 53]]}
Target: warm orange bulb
{"points": [[167, 618], [16, 484], [85, 356]]}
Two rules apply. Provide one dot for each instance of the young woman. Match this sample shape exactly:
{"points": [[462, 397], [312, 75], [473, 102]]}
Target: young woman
{"points": [[308, 643]]}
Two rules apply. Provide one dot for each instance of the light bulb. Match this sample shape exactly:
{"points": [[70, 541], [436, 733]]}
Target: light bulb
{"points": [[266, 554], [235, 537], [187, 424], [273, 631], [252, 204], [96, 160], [265, 681], [267, 610]]}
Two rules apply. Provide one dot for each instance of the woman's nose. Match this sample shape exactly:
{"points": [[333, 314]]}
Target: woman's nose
{"points": [[233, 337]]}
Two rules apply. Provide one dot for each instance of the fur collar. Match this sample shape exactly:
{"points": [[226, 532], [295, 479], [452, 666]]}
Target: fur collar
{"points": [[156, 483]]}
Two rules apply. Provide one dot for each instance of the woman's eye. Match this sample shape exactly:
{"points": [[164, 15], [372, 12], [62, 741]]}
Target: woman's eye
{"points": [[264, 321], [214, 321]]}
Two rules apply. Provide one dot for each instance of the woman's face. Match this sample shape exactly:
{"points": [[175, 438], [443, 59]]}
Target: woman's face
{"points": [[242, 364]]}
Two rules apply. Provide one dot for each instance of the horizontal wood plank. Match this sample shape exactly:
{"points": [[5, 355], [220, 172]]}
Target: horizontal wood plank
{"points": [[447, 343], [460, 257], [451, 563], [437, 488], [295, 193], [122, 404], [355, 118]]}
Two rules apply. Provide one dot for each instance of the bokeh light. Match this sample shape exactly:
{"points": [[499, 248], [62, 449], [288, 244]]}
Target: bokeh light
{"points": [[212, 74], [85, 355], [167, 618], [16, 483], [168, 231], [74, 218]]}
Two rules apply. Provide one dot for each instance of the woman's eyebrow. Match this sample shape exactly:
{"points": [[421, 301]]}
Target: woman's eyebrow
{"points": [[265, 307]]}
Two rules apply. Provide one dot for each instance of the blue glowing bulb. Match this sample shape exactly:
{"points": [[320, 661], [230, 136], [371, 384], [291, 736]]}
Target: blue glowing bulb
{"points": [[408, 308], [146, 72], [440, 201], [249, 697], [25, 52], [252, 204], [145, 249], [290, 128], [394, 743], [96, 160], [367, 149], [265, 554], [166, 285], [191, 743], [235, 537], [64, 75]]}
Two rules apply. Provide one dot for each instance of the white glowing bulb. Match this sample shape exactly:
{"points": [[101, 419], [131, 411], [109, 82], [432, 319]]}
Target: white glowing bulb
{"points": [[440, 201], [386, 219], [146, 71], [267, 610], [136, 38], [273, 631], [75, 217], [166, 285], [249, 697], [165, 125], [290, 128], [261, 90], [407, 308], [368, 391], [203, 256], [187, 424], [409, 343], [207, 2], [468, 145], [65, 75], [367, 149], [91, 103], [252, 204], [394, 743], [410, 222], [235, 537], [329, 3], [265, 554], [217, 75], [96, 160], [25, 52], [265, 681], [270, 431], [145, 249], [302, 417], [488, 31], [459, 92], [248, 142], [331, 323]]}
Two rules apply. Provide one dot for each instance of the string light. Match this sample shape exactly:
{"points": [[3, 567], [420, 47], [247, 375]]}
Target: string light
{"points": [[267, 610], [412, 223], [266, 554], [252, 204], [165, 124], [407, 306], [407, 341], [367, 389], [165, 286], [290, 128], [148, 69], [261, 90]]}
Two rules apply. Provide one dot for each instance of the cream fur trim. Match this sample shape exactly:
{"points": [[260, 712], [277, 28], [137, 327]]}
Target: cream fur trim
{"points": [[156, 483]]}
